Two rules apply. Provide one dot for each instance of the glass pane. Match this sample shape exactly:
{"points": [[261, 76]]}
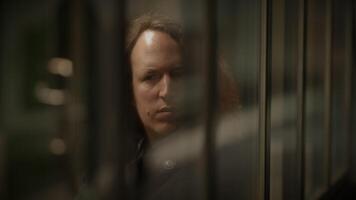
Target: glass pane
{"points": [[40, 127], [237, 134], [35, 73], [340, 89], [315, 99], [173, 160], [285, 44], [175, 165]]}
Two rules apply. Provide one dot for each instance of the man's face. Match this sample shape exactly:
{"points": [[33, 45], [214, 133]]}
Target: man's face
{"points": [[156, 78]]}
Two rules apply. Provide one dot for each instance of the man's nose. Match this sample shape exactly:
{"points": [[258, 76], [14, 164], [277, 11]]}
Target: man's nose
{"points": [[165, 87]]}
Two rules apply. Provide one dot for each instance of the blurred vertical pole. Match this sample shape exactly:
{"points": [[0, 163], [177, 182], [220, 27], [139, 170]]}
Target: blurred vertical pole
{"points": [[301, 92], [2, 142], [317, 94], [340, 85], [264, 139], [120, 185], [353, 98], [71, 45], [348, 73], [211, 93], [328, 87], [3, 187], [109, 176], [354, 87], [91, 151]]}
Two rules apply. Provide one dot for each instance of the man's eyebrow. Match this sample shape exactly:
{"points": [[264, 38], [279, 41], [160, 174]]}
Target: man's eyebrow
{"points": [[153, 69], [150, 70]]}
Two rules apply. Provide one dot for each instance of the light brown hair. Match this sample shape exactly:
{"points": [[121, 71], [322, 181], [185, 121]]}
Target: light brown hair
{"points": [[152, 22], [228, 93]]}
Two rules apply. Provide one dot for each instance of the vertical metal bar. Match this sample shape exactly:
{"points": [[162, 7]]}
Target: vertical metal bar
{"points": [[92, 102], [353, 68], [71, 44], [2, 25], [353, 84], [121, 132], [3, 183], [301, 91], [268, 99], [264, 136], [3, 186], [314, 13], [211, 104], [348, 74], [328, 88], [109, 99]]}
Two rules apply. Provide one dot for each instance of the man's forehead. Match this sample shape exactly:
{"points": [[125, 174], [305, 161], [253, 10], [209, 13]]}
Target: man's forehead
{"points": [[155, 40], [155, 46], [148, 37]]}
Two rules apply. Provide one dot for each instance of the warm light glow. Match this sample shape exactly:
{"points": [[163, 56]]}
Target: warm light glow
{"points": [[49, 96], [61, 66], [149, 37], [57, 146]]}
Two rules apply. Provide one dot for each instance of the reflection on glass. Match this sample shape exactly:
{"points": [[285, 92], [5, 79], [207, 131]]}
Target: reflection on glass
{"points": [[114, 124], [237, 133], [168, 74], [33, 148], [285, 160], [166, 79], [340, 89], [315, 99]]}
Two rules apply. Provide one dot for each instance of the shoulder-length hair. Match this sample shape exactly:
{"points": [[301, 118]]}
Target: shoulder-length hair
{"points": [[228, 98], [136, 28]]}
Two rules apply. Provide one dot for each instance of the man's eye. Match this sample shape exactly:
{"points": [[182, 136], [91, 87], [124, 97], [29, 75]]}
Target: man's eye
{"points": [[151, 77]]}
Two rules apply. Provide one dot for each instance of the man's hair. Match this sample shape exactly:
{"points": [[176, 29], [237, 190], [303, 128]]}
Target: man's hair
{"points": [[228, 91], [145, 22], [152, 22]]}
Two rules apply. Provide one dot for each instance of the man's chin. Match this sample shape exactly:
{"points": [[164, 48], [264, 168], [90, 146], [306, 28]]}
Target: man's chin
{"points": [[165, 129]]}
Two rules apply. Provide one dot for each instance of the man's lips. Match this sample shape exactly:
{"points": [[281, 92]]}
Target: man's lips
{"points": [[166, 114], [166, 109]]}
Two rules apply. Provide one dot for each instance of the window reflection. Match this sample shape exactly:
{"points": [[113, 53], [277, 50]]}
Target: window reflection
{"points": [[316, 102], [285, 168], [106, 99]]}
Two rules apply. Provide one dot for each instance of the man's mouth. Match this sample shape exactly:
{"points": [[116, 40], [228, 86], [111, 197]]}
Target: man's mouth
{"points": [[166, 114], [166, 109]]}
